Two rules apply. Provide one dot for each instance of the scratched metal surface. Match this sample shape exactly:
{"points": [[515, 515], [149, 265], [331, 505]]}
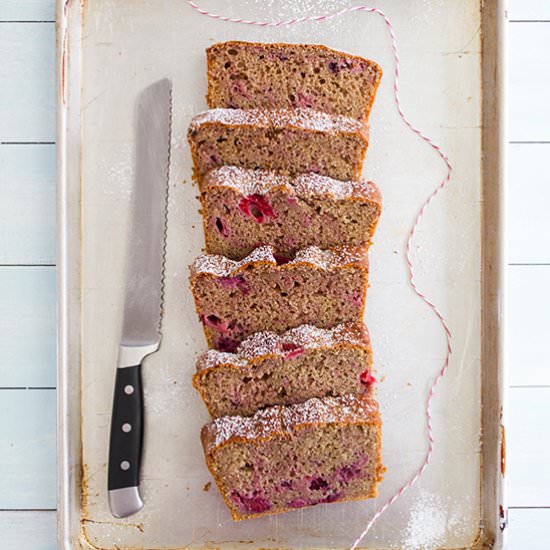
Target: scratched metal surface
{"points": [[125, 46]]}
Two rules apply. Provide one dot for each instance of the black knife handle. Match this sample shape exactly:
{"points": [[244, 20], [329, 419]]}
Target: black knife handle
{"points": [[126, 429]]}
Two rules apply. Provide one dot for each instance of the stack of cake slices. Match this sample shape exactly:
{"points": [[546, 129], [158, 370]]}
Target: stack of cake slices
{"points": [[281, 290]]}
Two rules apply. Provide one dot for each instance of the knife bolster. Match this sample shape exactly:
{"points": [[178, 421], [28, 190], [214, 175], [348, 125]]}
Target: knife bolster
{"points": [[131, 355]]}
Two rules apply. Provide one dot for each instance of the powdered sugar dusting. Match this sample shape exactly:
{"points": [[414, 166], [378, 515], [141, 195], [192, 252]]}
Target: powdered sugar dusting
{"points": [[261, 182], [316, 184], [280, 420], [214, 358], [304, 119], [258, 345], [333, 258], [248, 182], [266, 343], [430, 520], [221, 266], [328, 260]]}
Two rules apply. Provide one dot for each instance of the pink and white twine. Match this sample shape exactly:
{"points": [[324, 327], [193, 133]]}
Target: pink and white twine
{"points": [[411, 234]]}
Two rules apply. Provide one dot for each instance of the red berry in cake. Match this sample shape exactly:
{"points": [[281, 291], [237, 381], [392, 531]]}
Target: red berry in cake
{"points": [[213, 321], [251, 504], [352, 471], [291, 350], [318, 483], [355, 297], [367, 378], [298, 503], [226, 343], [257, 207], [238, 282], [333, 497], [333, 67], [280, 259], [221, 227]]}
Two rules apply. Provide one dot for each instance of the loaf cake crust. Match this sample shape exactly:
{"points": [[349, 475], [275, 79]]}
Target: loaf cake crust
{"points": [[284, 458], [243, 209], [247, 75], [235, 299], [288, 141], [269, 369]]}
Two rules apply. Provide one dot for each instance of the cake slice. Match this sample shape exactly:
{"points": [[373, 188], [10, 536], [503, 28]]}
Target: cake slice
{"points": [[244, 209], [268, 369], [289, 141], [283, 458], [267, 292], [246, 75]]}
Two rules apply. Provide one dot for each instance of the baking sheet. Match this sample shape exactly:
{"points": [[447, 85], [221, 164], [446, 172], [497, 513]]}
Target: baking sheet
{"points": [[126, 45]]}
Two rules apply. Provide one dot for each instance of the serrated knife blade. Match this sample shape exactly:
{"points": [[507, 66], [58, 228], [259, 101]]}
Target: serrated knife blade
{"points": [[142, 314]]}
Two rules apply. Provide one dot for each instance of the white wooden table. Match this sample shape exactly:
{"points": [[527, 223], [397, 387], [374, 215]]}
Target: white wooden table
{"points": [[27, 275]]}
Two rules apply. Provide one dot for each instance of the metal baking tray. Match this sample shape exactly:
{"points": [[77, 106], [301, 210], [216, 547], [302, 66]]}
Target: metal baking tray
{"points": [[452, 74]]}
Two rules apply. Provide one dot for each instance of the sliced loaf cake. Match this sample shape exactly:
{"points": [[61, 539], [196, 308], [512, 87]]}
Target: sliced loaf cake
{"points": [[284, 458], [268, 369], [244, 209], [246, 75], [268, 292], [289, 141]]}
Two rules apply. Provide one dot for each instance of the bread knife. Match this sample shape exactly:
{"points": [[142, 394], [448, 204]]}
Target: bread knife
{"points": [[141, 324]]}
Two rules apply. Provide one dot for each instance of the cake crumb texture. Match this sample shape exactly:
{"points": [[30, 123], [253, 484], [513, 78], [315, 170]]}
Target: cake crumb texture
{"points": [[285, 458], [270, 369], [247, 75]]}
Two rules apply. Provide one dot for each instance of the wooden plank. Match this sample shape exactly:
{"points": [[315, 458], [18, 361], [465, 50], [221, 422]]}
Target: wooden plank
{"points": [[27, 82], [529, 197], [528, 529], [27, 449], [528, 10], [529, 74], [27, 10], [28, 530], [528, 467], [27, 209], [528, 325], [27, 326]]}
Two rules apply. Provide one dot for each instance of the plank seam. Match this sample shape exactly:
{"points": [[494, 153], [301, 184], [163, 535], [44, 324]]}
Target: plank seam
{"points": [[27, 265], [528, 507], [27, 142], [526, 264], [27, 388], [24, 21], [28, 510], [527, 142]]}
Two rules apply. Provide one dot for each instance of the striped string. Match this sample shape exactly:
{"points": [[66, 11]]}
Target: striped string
{"points": [[411, 234]]}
